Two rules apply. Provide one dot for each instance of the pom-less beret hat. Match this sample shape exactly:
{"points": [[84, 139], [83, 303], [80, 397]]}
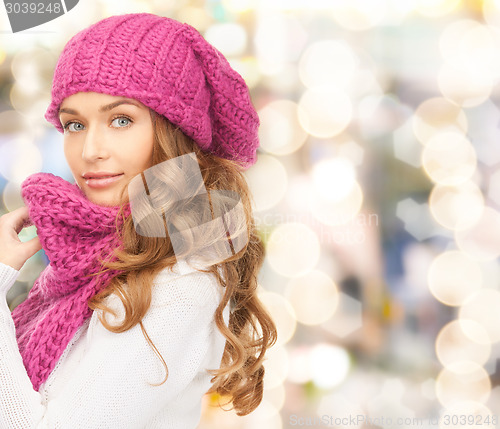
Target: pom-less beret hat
{"points": [[169, 67]]}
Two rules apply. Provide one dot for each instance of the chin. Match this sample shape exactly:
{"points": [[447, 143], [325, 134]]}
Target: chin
{"points": [[102, 200], [103, 197]]}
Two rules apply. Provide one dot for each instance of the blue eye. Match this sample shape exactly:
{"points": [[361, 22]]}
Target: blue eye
{"points": [[68, 125], [124, 123], [122, 118]]}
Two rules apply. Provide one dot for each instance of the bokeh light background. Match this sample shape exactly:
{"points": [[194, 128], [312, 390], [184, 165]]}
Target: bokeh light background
{"points": [[376, 191]]}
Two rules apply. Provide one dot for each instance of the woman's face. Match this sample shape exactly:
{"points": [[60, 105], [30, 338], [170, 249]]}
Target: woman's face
{"points": [[105, 135]]}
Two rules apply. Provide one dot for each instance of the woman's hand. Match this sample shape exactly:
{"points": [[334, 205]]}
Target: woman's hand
{"points": [[13, 251]]}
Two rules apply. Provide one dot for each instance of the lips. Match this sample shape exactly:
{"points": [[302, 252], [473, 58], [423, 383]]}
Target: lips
{"points": [[101, 177], [99, 174], [101, 181]]}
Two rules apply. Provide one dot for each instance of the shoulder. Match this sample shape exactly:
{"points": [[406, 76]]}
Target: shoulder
{"points": [[182, 288], [186, 281], [182, 285]]}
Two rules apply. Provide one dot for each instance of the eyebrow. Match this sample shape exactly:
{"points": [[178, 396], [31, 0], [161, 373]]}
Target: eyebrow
{"points": [[102, 109]]}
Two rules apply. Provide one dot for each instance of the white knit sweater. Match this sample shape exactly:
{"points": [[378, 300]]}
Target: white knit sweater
{"points": [[101, 380]]}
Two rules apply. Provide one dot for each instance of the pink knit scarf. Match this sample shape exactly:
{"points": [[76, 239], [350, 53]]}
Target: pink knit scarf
{"points": [[73, 232]]}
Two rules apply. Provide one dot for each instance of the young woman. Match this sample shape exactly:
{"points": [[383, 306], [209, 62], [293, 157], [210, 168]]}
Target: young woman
{"points": [[128, 327]]}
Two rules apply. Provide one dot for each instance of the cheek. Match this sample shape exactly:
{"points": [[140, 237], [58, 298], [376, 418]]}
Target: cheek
{"points": [[71, 156], [148, 157], [139, 156]]}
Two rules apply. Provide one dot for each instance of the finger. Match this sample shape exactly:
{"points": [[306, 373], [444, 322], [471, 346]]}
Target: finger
{"points": [[19, 218], [36, 244], [9, 219], [33, 246]]}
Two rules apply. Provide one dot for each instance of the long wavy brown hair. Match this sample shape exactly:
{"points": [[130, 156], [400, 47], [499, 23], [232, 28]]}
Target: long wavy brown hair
{"points": [[251, 330]]}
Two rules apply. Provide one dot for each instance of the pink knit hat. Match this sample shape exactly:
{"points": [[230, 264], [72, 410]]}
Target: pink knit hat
{"points": [[169, 67]]}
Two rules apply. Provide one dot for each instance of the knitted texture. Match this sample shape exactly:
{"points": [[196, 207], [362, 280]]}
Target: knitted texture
{"points": [[169, 67], [73, 232]]}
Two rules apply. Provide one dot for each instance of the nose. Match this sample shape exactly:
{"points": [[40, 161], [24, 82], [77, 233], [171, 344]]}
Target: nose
{"points": [[95, 146]]}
